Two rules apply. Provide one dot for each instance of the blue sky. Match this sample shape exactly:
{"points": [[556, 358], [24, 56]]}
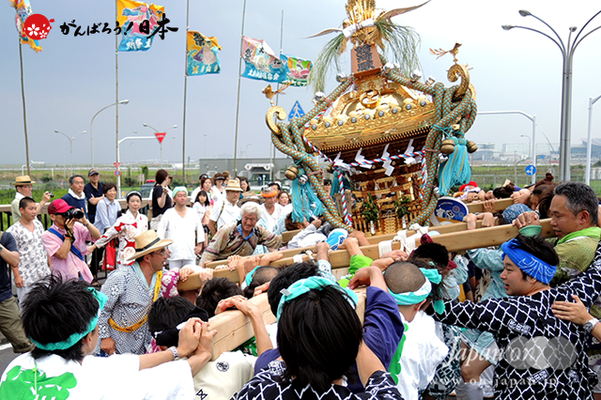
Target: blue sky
{"points": [[73, 78]]}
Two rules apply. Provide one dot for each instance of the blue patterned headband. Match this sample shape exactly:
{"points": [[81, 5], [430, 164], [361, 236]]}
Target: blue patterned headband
{"points": [[303, 286], [525, 261], [76, 337]]}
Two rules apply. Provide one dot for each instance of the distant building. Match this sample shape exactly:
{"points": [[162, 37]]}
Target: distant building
{"points": [[259, 170], [578, 152]]}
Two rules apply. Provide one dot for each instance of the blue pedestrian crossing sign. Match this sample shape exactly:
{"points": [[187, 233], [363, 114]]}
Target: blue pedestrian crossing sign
{"points": [[530, 170], [296, 111]]}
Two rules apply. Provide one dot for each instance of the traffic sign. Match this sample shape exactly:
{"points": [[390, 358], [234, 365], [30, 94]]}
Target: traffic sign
{"points": [[117, 173], [530, 170], [296, 111], [160, 136]]}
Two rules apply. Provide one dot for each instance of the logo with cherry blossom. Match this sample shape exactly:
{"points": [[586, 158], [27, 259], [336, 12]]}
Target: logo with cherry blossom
{"points": [[37, 26]]}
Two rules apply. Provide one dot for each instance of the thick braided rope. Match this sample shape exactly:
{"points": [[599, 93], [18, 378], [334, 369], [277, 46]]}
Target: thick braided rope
{"points": [[293, 142], [447, 113], [347, 217], [308, 143]]}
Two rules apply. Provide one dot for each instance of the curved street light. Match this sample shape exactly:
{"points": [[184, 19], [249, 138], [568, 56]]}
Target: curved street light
{"points": [[71, 139], [567, 51], [92, 123], [532, 118], [589, 145]]}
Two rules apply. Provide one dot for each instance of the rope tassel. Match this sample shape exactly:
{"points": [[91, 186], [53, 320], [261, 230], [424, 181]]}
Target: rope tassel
{"points": [[457, 169]]}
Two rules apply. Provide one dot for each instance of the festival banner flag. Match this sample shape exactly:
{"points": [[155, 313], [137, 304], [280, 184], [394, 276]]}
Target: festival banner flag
{"points": [[202, 54], [137, 21], [297, 70], [261, 62], [23, 9]]}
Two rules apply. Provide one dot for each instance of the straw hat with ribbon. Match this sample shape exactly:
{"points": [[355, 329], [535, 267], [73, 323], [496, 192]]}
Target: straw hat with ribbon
{"points": [[23, 180], [148, 242], [233, 185]]}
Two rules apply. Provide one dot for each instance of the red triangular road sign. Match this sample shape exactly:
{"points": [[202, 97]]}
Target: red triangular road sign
{"points": [[160, 136]]}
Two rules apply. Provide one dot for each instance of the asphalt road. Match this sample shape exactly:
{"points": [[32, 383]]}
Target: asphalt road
{"points": [[6, 356]]}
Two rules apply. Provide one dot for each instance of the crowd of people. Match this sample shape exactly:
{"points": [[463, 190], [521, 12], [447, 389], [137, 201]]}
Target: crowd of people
{"points": [[433, 323]]}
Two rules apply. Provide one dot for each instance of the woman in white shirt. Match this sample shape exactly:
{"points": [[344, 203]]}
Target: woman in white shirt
{"points": [[128, 226]]}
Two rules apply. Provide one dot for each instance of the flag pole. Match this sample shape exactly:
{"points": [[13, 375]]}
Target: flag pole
{"points": [[24, 109], [238, 99], [117, 107], [185, 93], [277, 99]]}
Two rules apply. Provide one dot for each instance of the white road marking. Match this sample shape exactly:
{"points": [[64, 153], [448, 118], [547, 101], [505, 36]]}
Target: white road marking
{"points": [[5, 346]]}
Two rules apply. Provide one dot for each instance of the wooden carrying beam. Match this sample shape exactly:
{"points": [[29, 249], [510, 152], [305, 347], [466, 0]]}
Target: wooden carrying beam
{"points": [[500, 205], [455, 241], [234, 328], [475, 207], [288, 235], [442, 229]]}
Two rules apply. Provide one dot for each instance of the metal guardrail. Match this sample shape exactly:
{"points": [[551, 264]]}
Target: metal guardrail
{"points": [[6, 218]]}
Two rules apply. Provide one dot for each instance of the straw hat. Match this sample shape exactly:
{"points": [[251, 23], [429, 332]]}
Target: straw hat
{"points": [[148, 242], [23, 180], [250, 196], [233, 185]]}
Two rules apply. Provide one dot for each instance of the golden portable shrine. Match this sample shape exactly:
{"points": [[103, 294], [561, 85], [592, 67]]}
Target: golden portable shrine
{"points": [[393, 142]]}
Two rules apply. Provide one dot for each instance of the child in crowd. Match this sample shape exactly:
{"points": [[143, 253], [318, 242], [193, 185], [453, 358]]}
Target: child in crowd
{"points": [[128, 226], [202, 205]]}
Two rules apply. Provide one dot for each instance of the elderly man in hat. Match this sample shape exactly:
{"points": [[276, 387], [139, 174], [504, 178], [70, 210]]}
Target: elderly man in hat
{"points": [[65, 241], [226, 211], [241, 237], [131, 290], [24, 186]]}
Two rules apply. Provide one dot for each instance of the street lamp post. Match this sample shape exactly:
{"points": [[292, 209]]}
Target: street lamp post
{"points": [[567, 51], [589, 145], [246, 149], [92, 124], [529, 143], [160, 141], [71, 139], [532, 118], [119, 157]]}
